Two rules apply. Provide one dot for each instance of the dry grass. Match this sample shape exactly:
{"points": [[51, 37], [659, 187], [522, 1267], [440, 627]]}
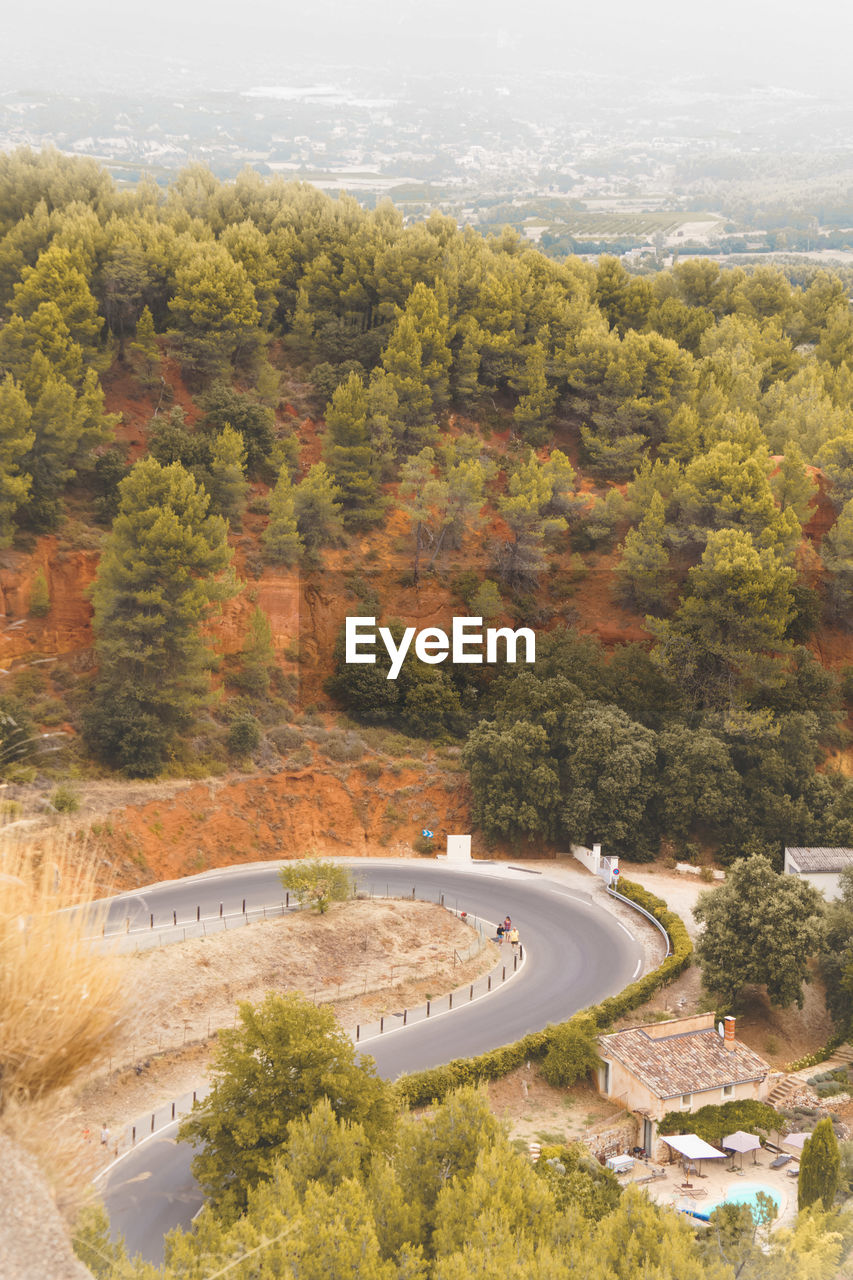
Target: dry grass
{"points": [[61, 1002]]}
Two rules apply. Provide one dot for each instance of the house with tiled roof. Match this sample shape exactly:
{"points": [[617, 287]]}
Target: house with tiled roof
{"points": [[678, 1065], [821, 866]]}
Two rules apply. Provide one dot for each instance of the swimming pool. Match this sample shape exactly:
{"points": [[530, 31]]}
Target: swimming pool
{"points": [[745, 1193]]}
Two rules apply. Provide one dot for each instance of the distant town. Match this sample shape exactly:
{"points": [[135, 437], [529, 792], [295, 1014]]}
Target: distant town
{"points": [[686, 166]]}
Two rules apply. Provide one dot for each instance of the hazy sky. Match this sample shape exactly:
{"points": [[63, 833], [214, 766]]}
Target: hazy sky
{"points": [[231, 42]]}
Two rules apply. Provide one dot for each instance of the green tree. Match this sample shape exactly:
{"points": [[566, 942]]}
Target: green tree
{"points": [[16, 441], [792, 485], [572, 1053], [349, 455], [316, 502], [760, 927], [144, 349], [836, 552], [283, 1057], [281, 538], [164, 566], [215, 312], [836, 461], [323, 1149], [257, 656], [486, 602], [515, 780], [820, 1165], [447, 1146], [643, 571], [535, 409], [225, 406], [533, 509], [57, 277], [317, 883], [39, 595], [729, 630], [227, 483]]}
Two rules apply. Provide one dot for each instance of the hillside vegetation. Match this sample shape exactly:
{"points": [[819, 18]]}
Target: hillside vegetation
{"points": [[241, 411]]}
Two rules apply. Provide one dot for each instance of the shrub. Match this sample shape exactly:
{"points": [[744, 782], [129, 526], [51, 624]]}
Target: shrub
{"points": [[39, 595], [424, 1087], [64, 800], [285, 738], [47, 1033], [317, 884], [572, 1054], [244, 737], [343, 747]]}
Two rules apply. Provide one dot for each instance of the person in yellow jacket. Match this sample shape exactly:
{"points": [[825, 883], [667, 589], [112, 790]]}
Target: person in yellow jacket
{"points": [[513, 937]]}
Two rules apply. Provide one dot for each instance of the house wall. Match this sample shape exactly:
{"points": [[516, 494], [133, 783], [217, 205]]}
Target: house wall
{"points": [[827, 882], [631, 1093]]}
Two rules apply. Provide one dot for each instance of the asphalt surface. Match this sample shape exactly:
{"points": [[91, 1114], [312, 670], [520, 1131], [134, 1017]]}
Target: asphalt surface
{"points": [[576, 953]]}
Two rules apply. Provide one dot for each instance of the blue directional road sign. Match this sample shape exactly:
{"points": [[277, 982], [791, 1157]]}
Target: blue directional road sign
{"points": [[426, 833]]}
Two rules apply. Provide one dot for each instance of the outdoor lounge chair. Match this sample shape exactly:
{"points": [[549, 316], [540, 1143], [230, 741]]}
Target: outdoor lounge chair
{"points": [[780, 1162], [793, 1173]]}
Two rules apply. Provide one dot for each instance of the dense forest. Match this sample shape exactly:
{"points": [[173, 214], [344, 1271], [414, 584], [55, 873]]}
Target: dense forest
{"points": [[539, 421]]}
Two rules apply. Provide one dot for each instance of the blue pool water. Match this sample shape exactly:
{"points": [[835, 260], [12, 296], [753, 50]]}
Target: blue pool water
{"points": [[745, 1193]]}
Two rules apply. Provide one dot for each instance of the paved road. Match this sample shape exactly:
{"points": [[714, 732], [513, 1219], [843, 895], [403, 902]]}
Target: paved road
{"points": [[576, 954]]}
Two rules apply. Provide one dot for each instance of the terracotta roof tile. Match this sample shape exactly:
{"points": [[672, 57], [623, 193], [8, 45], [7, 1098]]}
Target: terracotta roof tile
{"points": [[688, 1062]]}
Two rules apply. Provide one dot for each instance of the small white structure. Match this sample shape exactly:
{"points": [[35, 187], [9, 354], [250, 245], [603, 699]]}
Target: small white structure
{"points": [[589, 858], [822, 867], [458, 849]]}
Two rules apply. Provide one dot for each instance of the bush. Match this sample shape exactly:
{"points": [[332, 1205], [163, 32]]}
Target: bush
{"points": [[317, 884], [244, 737], [343, 747], [39, 595], [285, 738], [572, 1054], [713, 1123], [424, 1087], [64, 800]]}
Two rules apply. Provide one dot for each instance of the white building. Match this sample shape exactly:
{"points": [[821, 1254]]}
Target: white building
{"points": [[821, 867]]}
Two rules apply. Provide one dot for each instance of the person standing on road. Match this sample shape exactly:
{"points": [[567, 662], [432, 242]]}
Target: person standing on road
{"points": [[507, 926], [513, 937]]}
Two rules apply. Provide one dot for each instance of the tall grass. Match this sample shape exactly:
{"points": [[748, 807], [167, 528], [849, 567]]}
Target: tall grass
{"points": [[61, 1002]]}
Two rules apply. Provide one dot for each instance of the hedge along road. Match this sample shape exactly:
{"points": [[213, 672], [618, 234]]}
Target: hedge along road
{"points": [[576, 954]]}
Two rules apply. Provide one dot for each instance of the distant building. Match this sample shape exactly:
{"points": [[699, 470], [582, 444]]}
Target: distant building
{"points": [[679, 1065], [821, 867]]}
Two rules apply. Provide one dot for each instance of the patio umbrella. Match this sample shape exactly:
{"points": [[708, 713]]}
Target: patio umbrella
{"points": [[796, 1140], [740, 1141]]}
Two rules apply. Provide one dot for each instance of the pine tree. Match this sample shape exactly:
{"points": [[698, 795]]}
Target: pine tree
{"points": [[318, 510], [837, 555], [228, 485], [486, 602], [644, 568], [165, 564], [282, 540], [349, 456], [535, 409], [39, 595], [57, 277], [145, 350], [257, 657], [16, 441], [820, 1165], [215, 311]]}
